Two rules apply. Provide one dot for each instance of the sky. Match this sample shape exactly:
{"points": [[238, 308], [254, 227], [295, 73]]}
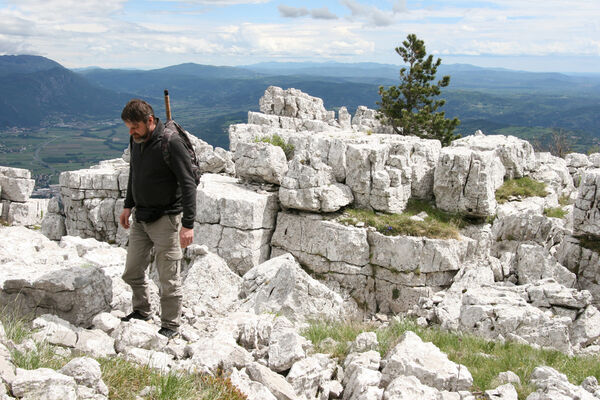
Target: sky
{"points": [[532, 35]]}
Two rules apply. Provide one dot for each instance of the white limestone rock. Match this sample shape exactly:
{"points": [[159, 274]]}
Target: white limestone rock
{"points": [[53, 226], [503, 392], [308, 376], [586, 213], [552, 385], [252, 389], [260, 162], [409, 388], [365, 120], [466, 180], [96, 343], [106, 322], [48, 279], [365, 341], [362, 379], [517, 155], [586, 328], [533, 263], [275, 383], [344, 118], [44, 384], [555, 173], [86, 371], [28, 213], [313, 235], [225, 201], [137, 333], [522, 207], [286, 346], [281, 286], [54, 330], [16, 189], [585, 262], [210, 271], [292, 103], [217, 353], [412, 357], [157, 360]]}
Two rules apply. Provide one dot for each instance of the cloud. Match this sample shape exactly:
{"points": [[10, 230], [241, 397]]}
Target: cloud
{"points": [[292, 12], [219, 2], [400, 7], [372, 14], [296, 12], [322, 13]]}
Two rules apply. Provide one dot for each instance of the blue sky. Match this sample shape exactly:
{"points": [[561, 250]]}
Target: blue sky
{"points": [[549, 35]]}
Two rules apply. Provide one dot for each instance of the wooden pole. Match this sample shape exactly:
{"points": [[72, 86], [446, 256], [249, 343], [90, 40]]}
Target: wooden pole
{"points": [[167, 105]]}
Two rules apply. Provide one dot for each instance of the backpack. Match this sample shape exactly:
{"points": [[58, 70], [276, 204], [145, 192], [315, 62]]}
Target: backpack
{"points": [[171, 128]]}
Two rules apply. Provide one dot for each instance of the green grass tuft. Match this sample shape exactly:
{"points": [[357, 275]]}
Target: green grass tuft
{"points": [[564, 200], [520, 188], [278, 141], [16, 327], [555, 212], [438, 224]]}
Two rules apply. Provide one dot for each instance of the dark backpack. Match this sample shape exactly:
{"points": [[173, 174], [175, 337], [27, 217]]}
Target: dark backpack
{"points": [[171, 128]]}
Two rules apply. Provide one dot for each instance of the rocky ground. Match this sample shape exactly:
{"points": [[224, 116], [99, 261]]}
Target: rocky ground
{"points": [[272, 254]]}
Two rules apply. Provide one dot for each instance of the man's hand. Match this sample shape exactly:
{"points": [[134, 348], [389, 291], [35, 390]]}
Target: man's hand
{"points": [[124, 218], [186, 237]]}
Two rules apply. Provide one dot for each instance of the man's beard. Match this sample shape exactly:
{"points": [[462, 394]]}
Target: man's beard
{"points": [[141, 139]]}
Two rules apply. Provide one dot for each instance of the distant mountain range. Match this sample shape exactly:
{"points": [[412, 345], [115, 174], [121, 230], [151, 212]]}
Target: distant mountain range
{"points": [[38, 91]]}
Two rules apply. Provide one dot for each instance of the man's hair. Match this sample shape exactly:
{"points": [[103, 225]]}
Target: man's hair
{"points": [[137, 111]]}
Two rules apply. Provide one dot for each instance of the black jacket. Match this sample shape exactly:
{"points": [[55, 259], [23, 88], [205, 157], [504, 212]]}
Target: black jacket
{"points": [[154, 185]]}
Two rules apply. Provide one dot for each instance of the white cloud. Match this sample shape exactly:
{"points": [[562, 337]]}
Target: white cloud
{"points": [[322, 13], [372, 14], [297, 12], [292, 12]]}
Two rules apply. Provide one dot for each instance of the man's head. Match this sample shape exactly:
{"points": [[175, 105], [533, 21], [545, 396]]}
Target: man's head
{"points": [[139, 118]]}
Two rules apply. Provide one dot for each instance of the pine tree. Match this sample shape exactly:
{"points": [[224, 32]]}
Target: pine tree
{"points": [[411, 108]]}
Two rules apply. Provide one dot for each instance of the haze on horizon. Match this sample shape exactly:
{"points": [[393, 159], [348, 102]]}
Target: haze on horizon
{"points": [[535, 35]]}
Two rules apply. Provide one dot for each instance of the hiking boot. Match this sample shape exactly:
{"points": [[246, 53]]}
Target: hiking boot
{"points": [[136, 315], [169, 333]]}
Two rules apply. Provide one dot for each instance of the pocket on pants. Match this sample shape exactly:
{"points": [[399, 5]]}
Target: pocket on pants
{"points": [[174, 220]]}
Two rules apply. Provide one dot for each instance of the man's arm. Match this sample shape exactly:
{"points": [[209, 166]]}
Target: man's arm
{"points": [[181, 166]]}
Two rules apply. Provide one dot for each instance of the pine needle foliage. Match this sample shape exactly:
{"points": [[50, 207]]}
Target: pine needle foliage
{"points": [[411, 108]]}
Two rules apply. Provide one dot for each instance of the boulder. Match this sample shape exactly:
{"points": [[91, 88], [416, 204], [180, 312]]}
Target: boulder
{"points": [[53, 226], [137, 333], [15, 188], [260, 162], [412, 357], [281, 286], [555, 173], [29, 213], [552, 385], [466, 180], [44, 384], [409, 388], [517, 155], [586, 213], [503, 392], [54, 330], [583, 261], [253, 390], [86, 372], [310, 185], [210, 271], [293, 103], [533, 263], [275, 383], [365, 120], [286, 346], [309, 376]]}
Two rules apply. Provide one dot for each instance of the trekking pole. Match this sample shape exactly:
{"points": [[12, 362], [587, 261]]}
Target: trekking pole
{"points": [[167, 105]]}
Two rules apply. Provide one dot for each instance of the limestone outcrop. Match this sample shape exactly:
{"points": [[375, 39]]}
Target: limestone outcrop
{"points": [[275, 249]]}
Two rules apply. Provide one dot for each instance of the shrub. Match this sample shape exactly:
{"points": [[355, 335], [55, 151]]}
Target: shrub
{"points": [[555, 212], [278, 141]]}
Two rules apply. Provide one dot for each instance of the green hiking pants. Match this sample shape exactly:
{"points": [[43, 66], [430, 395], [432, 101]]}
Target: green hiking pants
{"points": [[163, 235]]}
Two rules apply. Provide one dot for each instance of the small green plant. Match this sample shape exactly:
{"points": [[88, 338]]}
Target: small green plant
{"points": [[520, 188], [564, 200], [438, 224], [278, 141], [342, 333], [15, 326], [555, 212], [44, 356]]}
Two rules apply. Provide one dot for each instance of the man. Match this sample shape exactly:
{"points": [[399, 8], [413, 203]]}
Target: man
{"points": [[157, 194]]}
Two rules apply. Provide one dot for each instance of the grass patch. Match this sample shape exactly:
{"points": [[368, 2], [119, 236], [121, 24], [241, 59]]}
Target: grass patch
{"points": [[564, 200], [341, 332], [438, 224], [43, 356], [555, 212], [484, 359], [520, 188], [16, 327], [278, 141], [125, 380]]}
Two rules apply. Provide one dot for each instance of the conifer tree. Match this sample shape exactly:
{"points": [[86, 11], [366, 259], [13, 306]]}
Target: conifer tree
{"points": [[411, 107]]}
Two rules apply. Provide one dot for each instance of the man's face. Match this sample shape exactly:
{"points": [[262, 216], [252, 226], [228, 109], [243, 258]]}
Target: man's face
{"points": [[140, 131]]}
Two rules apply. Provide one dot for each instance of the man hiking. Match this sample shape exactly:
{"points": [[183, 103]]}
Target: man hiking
{"points": [[157, 194]]}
